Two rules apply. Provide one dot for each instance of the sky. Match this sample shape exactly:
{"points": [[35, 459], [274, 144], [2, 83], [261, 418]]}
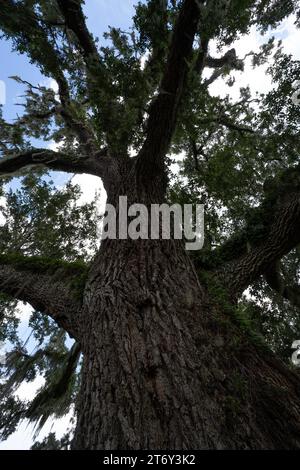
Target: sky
{"points": [[100, 14]]}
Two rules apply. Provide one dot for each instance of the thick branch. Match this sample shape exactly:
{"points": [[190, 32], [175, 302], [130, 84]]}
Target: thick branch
{"points": [[57, 161], [47, 285], [164, 108], [97, 85], [75, 21], [224, 121], [281, 237]]}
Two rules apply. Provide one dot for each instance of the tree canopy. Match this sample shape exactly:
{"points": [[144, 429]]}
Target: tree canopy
{"points": [[240, 157]]}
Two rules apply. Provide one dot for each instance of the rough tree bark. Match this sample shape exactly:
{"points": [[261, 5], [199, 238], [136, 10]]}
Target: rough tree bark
{"points": [[167, 365]]}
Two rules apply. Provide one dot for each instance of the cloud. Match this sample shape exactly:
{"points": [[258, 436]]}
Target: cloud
{"points": [[27, 390], [90, 186], [55, 146], [50, 83], [23, 312], [256, 78], [290, 39]]}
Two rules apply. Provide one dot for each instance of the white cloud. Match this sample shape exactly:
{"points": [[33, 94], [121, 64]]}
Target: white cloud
{"points": [[50, 83], [256, 79], [27, 390], [24, 311], [90, 186], [54, 145], [289, 35]]}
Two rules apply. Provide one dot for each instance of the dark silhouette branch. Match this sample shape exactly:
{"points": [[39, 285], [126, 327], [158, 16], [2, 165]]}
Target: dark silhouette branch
{"points": [[57, 161], [235, 127], [99, 165], [230, 59], [75, 21], [225, 121], [224, 64], [85, 43]]}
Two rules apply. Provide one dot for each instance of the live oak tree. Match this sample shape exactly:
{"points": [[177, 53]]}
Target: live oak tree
{"points": [[171, 354]]}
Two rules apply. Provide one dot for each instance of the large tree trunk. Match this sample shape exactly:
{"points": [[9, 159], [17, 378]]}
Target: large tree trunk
{"points": [[167, 367]]}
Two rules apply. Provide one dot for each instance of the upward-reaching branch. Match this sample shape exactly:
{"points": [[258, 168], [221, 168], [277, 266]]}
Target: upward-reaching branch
{"points": [[164, 108], [75, 21]]}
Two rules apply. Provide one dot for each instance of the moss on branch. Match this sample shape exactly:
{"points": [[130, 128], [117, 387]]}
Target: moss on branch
{"points": [[72, 273]]}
